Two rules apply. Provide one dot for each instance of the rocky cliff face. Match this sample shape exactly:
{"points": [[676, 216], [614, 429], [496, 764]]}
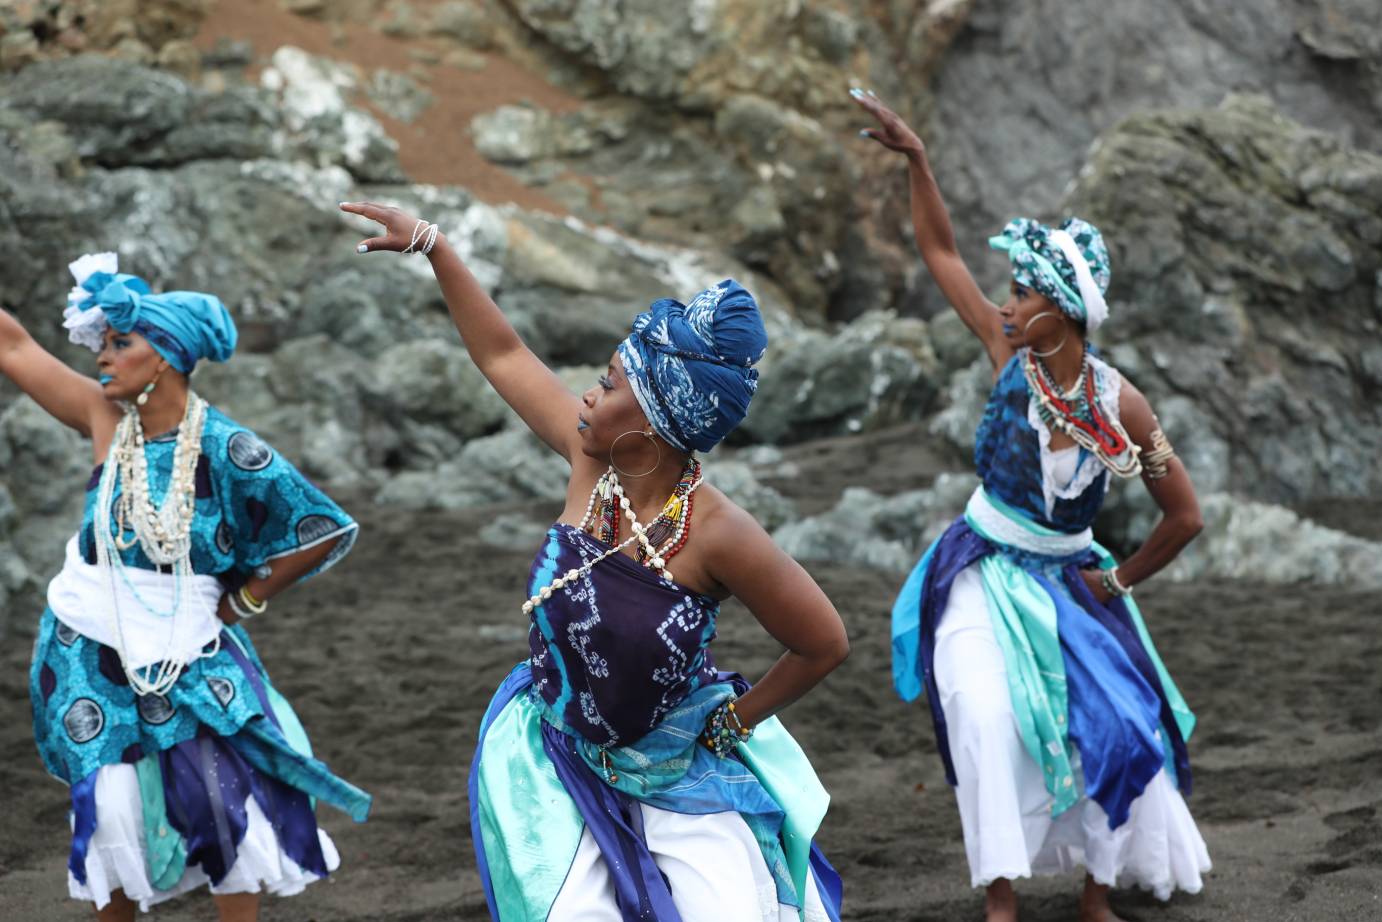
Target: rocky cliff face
{"points": [[1024, 89], [700, 143]]}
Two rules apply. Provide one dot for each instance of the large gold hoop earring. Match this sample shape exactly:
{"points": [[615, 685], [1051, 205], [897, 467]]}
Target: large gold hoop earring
{"points": [[1028, 326], [646, 435]]}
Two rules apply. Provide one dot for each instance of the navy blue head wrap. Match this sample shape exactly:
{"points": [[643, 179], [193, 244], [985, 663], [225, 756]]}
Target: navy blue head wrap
{"points": [[182, 326], [691, 365]]}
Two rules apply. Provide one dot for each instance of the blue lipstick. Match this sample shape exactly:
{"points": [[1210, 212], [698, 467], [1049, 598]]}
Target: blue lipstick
{"points": [[582, 425], [106, 379]]}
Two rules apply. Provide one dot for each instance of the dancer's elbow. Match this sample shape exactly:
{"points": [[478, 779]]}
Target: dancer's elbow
{"points": [[836, 652]]}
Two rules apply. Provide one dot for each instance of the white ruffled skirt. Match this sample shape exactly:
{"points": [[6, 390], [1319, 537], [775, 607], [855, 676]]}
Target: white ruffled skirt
{"points": [[116, 858], [1005, 808], [714, 864]]}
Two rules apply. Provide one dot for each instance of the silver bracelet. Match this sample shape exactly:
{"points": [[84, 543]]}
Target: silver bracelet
{"points": [[423, 239], [1114, 587], [431, 240]]}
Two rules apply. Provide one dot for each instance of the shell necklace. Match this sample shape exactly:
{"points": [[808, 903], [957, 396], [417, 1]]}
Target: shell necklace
{"points": [[163, 532], [609, 490], [1099, 435]]}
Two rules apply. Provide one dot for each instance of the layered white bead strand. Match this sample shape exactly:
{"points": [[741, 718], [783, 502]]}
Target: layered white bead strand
{"points": [[605, 487], [163, 532]]}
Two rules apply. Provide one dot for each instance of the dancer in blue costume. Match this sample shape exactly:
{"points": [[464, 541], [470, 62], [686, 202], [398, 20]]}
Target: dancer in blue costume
{"points": [[1059, 727], [619, 774], [186, 767]]}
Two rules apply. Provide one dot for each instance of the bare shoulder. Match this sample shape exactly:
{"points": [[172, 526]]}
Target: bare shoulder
{"points": [[724, 522], [1135, 411], [1130, 397]]}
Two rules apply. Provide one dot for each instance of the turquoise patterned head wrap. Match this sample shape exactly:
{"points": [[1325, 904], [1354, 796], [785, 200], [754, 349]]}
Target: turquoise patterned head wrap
{"points": [[182, 326], [691, 365], [1068, 265]]}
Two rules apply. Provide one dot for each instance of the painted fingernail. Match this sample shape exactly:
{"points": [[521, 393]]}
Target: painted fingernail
{"points": [[864, 133], [362, 249], [873, 94], [856, 92]]}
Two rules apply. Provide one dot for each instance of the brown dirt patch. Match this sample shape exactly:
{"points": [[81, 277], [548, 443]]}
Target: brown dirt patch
{"points": [[436, 147]]}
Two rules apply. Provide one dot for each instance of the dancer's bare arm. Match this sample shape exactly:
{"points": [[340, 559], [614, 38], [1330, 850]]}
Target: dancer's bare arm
{"points": [[935, 237], [520, 377], [784, 598], [1174, 494], [72, 399], [284, 572]]}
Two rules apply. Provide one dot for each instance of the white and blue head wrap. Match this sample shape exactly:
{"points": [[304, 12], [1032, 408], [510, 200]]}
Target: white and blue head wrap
{"points": [[1068, 265], [691, 365], [182, 326]]}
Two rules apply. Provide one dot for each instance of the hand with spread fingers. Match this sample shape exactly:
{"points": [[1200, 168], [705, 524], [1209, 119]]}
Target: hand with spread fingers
{"points": [[403, 233], [892, 132]]}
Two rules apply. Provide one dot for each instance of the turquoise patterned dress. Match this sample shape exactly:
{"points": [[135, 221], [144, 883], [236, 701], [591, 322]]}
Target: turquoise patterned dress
{"points": [[222, 734]]}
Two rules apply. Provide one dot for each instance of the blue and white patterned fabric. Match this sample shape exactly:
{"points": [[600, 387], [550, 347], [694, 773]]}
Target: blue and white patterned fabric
{"points": [[604, 716], [691, 365], [1007, 453], [182, 326], [252, 507], [1068, 265], [1083, 675]]}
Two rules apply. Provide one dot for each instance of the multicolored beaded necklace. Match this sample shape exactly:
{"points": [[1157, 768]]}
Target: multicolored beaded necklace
{"points": [[1077, 414], [672, 524]]}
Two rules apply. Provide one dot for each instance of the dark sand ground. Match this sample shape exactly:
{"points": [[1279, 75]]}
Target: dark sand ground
{"points": [[391, 659]]}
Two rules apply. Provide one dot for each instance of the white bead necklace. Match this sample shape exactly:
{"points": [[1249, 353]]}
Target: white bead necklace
{"points": [[164, 533], [604, 487]]}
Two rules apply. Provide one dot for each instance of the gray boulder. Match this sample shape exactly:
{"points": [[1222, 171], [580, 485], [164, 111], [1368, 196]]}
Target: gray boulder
{"points": [[305, 400], [872, 372], [1271, 544], [1057, 77], [738, 481], [511, 465], [647, 47], [44, 469], [320, 125], [1228, 227], [466, 22], [398, 94], [882, 532], [122, 114], [435, 398]]}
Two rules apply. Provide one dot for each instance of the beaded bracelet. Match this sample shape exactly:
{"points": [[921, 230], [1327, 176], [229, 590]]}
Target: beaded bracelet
{"points": [[724, 729], [1115, 588]]}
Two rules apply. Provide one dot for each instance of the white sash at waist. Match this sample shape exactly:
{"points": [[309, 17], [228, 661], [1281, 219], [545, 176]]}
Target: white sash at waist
{"points": [[996, 524], [84, 598]]}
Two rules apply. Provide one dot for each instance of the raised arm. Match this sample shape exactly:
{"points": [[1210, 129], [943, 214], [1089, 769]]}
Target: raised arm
{"points": [[526, 384], [934, 235], [785, 600], [1168, 483], [71, 398]]}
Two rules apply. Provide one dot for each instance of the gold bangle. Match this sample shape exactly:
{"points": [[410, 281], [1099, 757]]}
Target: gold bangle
{"points": [[254, 605], [1157, 462]]}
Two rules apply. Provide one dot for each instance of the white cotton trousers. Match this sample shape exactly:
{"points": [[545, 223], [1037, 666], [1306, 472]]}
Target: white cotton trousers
{"points": [[1004, 805], [712, 861], [116, 858]]}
